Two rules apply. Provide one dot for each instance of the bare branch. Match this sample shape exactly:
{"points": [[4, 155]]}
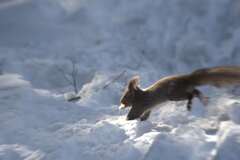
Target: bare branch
{"points": [[2, 63], [64, 75], [114, 79], [72, 77]]}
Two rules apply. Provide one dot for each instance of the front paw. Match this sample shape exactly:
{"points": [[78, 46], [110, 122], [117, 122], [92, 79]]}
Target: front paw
{"points": [[189, 107], [143, 118]]}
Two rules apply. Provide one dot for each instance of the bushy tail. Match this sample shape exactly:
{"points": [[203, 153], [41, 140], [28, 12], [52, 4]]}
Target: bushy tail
{"points": [[217, 76]]}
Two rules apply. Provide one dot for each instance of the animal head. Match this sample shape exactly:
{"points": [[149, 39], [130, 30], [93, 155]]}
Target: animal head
{"points": [[133, 97], [129, 94]]}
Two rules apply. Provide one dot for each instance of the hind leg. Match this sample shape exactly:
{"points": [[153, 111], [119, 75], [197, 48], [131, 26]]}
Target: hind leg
{"points": [[189, 103], [196, 93], [203, 99]]}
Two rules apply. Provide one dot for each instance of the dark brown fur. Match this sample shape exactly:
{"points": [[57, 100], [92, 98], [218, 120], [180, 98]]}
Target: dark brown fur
{"points": [[176, 88]]}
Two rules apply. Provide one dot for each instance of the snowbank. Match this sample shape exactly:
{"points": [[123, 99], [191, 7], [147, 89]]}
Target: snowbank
{"points": [[234, 113], [229, 144], [18, 152], [11, 81]]}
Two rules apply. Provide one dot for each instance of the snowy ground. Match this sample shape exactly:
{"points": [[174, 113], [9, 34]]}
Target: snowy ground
{"points": [[107, 37], [37, 124]]}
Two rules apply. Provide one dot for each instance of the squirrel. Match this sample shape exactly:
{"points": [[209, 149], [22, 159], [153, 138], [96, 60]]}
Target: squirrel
{"points": [[175, 88]]}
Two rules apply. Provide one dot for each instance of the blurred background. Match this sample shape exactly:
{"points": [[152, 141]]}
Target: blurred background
{"points": [[152, 38]]}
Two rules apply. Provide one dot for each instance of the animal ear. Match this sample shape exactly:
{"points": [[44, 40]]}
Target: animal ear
{"points": [[133, 83]]}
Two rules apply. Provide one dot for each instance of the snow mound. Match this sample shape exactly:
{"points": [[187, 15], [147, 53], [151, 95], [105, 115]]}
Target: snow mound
{"points": [[18, 152], [229, 142], [234, 113], [47, 127], [184, 142], [170, 147], [9, 81]]}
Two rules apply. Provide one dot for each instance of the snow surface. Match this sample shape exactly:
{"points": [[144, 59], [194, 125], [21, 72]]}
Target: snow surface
{"points": [[151, 38]]}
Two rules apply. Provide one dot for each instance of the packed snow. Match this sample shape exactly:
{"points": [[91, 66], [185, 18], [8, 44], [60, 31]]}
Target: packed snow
{"points": [[110, 41]]}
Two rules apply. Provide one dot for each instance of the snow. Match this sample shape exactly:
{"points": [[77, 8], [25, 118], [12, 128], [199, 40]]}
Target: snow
{"points": [[9, 81], [18, 152], [229, 142], [234, 113], [151, 39]]}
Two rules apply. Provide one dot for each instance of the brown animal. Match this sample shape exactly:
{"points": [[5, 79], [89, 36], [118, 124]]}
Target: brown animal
{"points": [[175, 88]]}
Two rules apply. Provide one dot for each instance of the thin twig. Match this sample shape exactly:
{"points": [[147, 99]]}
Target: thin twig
{"points": [[64, 75], [114, 79]]}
